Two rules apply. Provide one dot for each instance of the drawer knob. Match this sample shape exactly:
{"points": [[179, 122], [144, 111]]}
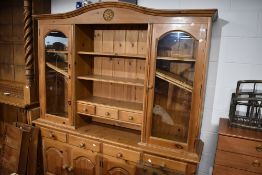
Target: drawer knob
{"points": [[119, 155], [85, 109], [94, 145], [131, 118], [51, 135], [65, 167], [149, 161], [163, 165], [82, 145], [70, 169], [256, 163], [259, 148], [107, 114]]}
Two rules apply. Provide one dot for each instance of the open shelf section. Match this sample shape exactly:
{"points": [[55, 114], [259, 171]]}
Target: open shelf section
{"points": [[112, 54], [130, 106], [184, 59], [110, 79], [174, 79], [58, 67], [57, 51]]}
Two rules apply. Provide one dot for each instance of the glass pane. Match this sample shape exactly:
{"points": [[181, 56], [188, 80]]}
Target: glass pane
{"points": [[56, 45], [174, 78]]}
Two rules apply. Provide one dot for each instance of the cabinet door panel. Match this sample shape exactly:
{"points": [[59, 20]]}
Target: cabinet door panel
{"points": [[55, 158], [114, 166], [83, 162], [175, 89]]}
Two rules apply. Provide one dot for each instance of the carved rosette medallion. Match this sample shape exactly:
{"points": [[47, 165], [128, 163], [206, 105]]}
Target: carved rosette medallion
{"points": [[108, 15]]}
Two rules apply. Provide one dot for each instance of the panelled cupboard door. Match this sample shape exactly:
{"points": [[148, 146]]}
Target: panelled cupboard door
{"points": [[83, 162], [174, 90], [55, 158], [55, 57], [114, 166]]}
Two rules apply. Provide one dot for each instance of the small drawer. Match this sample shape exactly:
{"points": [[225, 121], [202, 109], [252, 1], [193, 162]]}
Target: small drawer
{"points": [[84, 143], [131, 117], [54, 135], [107, 112], [239, 161], [121, 153], [241, 146], [86, 108], [164, 163]]}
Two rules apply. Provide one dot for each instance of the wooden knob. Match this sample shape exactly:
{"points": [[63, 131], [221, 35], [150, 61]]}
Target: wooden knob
{"points": [[149, 161], [82, 145], [259, 148], [65, 167], [94, 145], [107, 113], [119, 155], [130, 118], [85, 109], [256, 163], [163, 165], [70, 169], [51, 135]]}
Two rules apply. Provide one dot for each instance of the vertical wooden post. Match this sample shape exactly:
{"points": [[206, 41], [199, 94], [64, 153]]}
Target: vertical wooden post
{"points": [[28, 42]]}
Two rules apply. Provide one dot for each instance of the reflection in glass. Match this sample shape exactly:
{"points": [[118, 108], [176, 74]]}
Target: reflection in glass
{"points": [[56, 57], [175, 64]]}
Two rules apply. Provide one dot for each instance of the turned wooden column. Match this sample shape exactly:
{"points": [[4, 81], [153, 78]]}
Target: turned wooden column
{"points": [[28, 42]]}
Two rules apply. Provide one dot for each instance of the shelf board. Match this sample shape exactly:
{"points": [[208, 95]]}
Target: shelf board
{"points": [[184, 59], [130, 106], [57, 51], [110, 79], [112, 54], [58, 68], [174, 79]]}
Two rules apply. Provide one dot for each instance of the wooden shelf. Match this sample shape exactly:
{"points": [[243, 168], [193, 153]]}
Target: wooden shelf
{"points": [[130, 106], [184, 59], [110, 79], [58, 67], [112, 54], [57, 51], [174, 79]]}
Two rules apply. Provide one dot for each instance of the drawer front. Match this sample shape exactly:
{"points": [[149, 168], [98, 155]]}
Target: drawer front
{"points": [[239, 161], [131, 117], [84, 143], [222, 170], [107, 112], [242, 146], [54, 135], [121, 153], [86, 109], [165, 163]]}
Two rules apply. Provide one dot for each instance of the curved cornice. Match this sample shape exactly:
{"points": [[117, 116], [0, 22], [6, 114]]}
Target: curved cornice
{"points": [[154, 12]]}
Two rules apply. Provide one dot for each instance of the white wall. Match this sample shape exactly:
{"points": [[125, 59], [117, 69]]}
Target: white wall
{"points": [[236, 54]]}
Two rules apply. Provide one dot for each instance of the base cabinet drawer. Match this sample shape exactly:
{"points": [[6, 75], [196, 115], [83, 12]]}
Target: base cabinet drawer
{"points": [[54, 135], [239, 161], [84, 143], [222, 170], [160, 162], [121, 153]]}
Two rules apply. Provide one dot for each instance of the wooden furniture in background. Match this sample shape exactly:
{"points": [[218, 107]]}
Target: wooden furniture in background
{"points": [[18, 83], [125, 84], [239, 151]]}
